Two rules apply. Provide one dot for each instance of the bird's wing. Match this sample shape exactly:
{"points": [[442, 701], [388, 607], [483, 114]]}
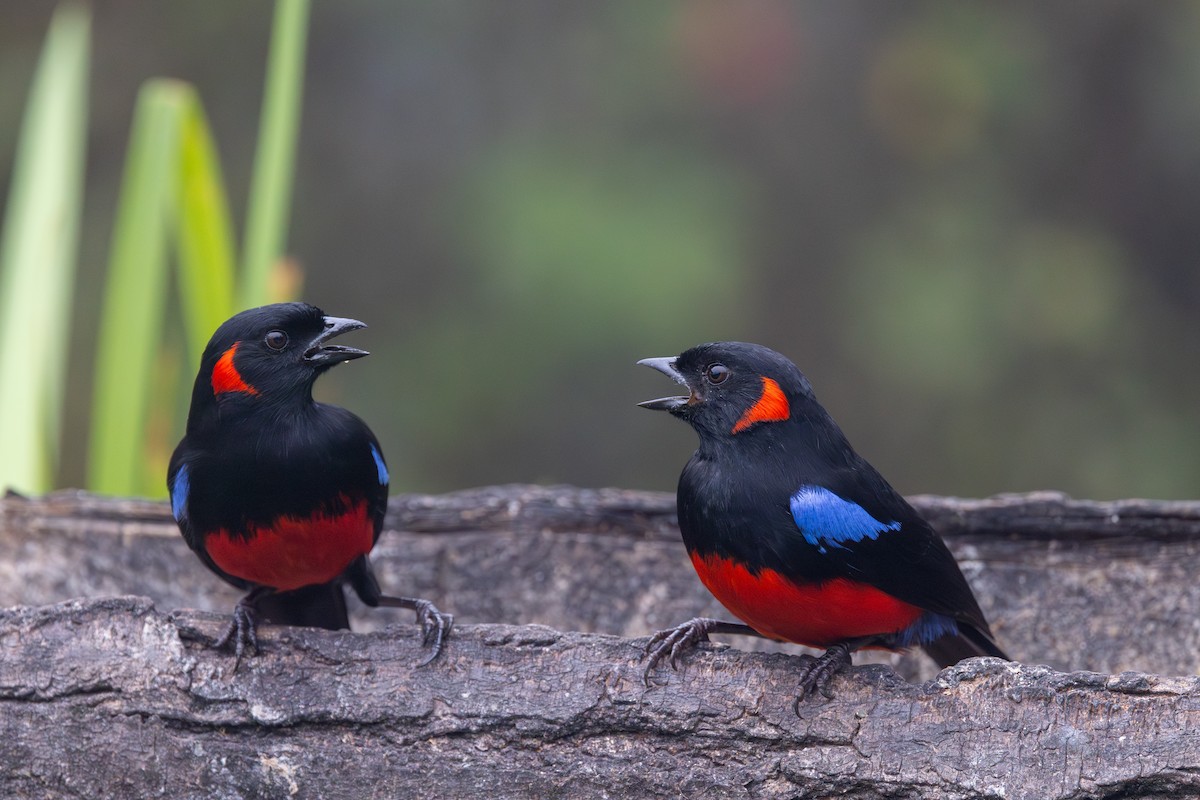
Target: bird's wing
{"points": [[870, 534]]}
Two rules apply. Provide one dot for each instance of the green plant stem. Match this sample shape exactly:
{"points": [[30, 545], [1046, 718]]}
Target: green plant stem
{"points": [[38, 252], [271, 183], [132, 318], [204, 231]]}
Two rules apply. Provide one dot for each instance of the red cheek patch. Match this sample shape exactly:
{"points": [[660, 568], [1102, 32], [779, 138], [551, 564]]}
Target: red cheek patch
{"points": [[226, 378], [772, 406]]}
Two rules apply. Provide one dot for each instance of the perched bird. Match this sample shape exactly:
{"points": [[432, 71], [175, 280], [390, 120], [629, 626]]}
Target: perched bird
{"points": [[797, 534], [278, 494]]}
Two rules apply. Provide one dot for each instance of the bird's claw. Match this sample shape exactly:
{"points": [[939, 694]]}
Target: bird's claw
{"points": [[435, 626], [673, 642], [817, 674], [242, 630]]}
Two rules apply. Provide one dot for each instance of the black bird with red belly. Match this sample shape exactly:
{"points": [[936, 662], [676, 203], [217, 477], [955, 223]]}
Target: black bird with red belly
{"points": [[280, 495], [795, 533]]}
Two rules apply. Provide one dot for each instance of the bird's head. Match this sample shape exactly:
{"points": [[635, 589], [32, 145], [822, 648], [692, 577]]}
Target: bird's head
{"points": [[733, 388], [272, 353]]}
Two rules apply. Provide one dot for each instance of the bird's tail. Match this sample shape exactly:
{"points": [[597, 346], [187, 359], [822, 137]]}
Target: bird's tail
{"points": [[969, 642], [320, 606]]}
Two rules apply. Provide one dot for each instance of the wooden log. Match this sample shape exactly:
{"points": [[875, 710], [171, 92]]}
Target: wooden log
{"points": [[113, 698], [1077, 585], [110, 698]]}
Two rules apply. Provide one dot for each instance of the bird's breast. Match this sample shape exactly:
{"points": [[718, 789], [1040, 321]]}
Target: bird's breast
{"points": [[817, 614], [295, 550]]}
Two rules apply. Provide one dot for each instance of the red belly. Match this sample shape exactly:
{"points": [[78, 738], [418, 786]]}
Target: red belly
{"points": [[819, 615], [295, 551]]}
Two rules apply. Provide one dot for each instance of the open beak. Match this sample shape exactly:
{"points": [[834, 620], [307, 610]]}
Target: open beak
{"points": [[319, 353], [667, 367]]}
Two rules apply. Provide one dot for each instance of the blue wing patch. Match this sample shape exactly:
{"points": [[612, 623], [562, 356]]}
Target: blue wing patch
{"points": [[179, 494], [380, 467], [826, 519]]}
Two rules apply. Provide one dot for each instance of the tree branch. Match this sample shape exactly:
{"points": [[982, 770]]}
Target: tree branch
{"points": [[111, 698]]}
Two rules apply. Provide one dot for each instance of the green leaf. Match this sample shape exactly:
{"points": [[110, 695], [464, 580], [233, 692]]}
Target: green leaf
{"points": [[37, 254], [204, 230], [132, 317], [274, 161]]}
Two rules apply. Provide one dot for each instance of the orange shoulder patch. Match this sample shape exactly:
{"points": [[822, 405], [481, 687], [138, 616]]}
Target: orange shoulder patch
{"points": [[772, 406], [226, 378]]}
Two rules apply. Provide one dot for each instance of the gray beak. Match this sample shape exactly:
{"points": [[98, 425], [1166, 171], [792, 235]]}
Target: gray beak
{"points": [[319, 353], [667, 367]]}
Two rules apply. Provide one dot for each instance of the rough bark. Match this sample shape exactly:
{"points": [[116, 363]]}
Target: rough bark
{"points": [[111, 697], [1073, 584]]}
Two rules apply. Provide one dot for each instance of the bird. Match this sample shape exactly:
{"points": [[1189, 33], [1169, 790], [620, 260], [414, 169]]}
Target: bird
{"points": [[795, 533], [279, 495]]}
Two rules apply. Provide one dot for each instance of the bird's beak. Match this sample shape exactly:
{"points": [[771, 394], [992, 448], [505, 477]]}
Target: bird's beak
{"points": [[667, 367], [320, 354]]}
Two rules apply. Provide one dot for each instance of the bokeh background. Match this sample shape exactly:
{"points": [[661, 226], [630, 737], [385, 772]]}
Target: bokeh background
{"points": [[975, 227]]}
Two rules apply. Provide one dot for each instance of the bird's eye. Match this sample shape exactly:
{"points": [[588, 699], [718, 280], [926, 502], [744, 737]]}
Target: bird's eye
{"points": [[276, 340], [716, 373]]}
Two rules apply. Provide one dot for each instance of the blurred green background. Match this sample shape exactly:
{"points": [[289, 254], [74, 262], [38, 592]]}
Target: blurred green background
{"points": [[973, 226]]}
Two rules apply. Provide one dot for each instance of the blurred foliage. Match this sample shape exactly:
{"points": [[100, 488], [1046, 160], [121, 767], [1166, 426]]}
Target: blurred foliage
{"points": [[577, 244], [274, 158], [38, 242], [561, 255], [171, 194], [972, 225]]}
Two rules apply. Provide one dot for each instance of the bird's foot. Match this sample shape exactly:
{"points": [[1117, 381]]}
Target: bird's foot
{"points": [[435, 626], [242, 630], [820, 671], [673, 642]]}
